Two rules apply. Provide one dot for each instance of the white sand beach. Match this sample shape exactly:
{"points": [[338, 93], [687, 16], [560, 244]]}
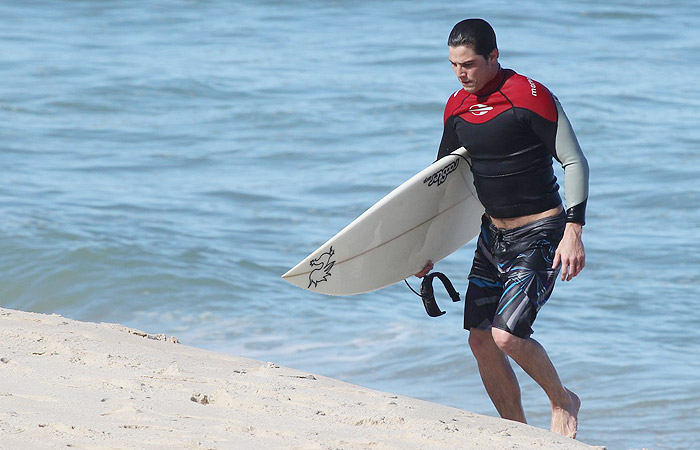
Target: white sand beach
{"points": [[70, 384]]}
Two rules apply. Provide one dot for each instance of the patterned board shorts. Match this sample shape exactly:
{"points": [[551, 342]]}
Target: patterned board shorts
{"points": [[512, 275]]}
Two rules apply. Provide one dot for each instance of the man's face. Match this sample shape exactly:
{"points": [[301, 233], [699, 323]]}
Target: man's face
{"points": [[473, 70]]}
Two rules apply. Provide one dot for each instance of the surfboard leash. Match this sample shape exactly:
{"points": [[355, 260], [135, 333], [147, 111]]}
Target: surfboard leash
{"points": [[427, 294]]}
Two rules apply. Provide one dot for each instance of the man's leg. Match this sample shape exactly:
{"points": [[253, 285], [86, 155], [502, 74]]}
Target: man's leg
{"points": [[533, 359], [497, 375]]}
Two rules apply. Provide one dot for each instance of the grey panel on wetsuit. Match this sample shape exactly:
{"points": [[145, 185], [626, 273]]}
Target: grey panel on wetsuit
{"points": [[569, 154]]}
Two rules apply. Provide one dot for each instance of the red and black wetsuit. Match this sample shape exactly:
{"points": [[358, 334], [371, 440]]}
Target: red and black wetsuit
{"points": [[512, 128]]}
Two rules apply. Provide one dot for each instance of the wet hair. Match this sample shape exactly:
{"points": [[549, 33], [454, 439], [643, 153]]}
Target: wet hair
{"points": [[476, 34]]}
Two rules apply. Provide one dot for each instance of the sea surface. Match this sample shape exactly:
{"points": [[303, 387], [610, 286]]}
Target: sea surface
{"points": [[164, 162]]}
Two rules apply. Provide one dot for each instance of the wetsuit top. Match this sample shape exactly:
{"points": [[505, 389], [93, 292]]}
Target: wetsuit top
{"points": [[512, 128]]}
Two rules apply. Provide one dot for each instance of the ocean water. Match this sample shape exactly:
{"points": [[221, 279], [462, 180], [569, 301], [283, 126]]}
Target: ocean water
{"points": [[164, 162]]}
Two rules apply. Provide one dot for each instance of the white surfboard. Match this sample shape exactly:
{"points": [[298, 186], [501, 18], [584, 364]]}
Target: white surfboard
{"points": [[427, 218]]}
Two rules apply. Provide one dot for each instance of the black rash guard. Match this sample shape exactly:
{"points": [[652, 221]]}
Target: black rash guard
{"points": [[512, 128]]}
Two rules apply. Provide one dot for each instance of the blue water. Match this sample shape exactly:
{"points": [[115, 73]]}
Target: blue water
{"points": [[165, 162]]}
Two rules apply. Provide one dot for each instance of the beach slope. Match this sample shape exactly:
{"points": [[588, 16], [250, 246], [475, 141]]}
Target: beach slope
{"points": [[70, 384]]}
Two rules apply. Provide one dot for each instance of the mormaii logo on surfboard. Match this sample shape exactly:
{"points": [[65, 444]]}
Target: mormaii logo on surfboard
{"points": [[322, 268], [440, 176]]}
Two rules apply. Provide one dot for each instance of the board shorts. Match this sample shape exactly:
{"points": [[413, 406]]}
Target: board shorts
{"points": [[512, 276]]}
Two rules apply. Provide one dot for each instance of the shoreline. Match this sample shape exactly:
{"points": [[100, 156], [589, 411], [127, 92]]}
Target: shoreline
{"points": [[67, 383]]}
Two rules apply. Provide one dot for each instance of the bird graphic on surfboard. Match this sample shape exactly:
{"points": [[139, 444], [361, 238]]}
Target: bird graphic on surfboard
{"points": [[322, 268]]}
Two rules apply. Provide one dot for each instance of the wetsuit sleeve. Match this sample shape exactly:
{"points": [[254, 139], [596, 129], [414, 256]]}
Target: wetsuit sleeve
{"points": [[450, 141], [562, 142]]}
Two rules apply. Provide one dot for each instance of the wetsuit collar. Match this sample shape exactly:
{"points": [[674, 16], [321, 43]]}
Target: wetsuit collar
{"points": [[493, 85]]}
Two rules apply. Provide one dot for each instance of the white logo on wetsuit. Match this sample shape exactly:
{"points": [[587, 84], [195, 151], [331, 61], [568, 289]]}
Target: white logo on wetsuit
{"points": [[533, 87], [479, 109]]}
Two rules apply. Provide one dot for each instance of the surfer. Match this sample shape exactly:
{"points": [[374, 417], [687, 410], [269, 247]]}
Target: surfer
{"points": [[513, 127]]}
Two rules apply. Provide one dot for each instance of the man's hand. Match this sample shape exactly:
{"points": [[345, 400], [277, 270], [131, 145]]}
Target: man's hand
{"points": [[570, 253], [428, 267]]}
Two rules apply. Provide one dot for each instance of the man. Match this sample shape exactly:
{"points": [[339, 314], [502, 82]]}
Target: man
{"points": [[513, 127]]}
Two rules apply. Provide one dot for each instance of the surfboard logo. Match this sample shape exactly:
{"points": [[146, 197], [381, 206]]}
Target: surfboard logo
{"points": [[479, 109], [322, 268], [440, 176]]}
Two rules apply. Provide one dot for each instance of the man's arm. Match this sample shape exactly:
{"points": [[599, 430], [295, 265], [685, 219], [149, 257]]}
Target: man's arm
{"points": [[570, 252], [568, 152], [448, 144], [450, 141], [561, 141]]}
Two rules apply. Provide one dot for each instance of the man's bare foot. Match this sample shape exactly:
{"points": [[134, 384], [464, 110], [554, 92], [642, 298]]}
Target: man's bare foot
{"points": [[565, 417]]}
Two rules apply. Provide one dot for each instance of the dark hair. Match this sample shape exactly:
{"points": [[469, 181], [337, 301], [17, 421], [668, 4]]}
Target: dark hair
{"points": [[476, 34]]}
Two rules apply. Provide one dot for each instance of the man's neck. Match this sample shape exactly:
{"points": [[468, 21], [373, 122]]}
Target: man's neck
{"points": [[492, 84]]}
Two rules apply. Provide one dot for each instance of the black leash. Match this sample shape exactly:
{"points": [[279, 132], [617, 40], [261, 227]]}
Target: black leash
{"points": [[427, 294]]}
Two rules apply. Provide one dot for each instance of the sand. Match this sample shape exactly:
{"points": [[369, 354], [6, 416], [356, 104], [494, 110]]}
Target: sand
{"points": [[70, 384]]}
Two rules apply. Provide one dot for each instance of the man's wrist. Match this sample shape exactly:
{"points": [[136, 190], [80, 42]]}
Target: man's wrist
{"points": [[577, 214], [574, 227]]}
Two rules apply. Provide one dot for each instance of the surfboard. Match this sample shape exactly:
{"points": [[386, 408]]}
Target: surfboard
{"points": [[426, 218]]}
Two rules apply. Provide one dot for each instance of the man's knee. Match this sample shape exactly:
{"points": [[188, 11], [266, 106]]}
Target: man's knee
{"points": [[481, 343], [508, 343]]}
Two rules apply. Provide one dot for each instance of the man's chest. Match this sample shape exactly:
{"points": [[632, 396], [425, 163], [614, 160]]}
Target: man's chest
{"points": [[492, 128]]}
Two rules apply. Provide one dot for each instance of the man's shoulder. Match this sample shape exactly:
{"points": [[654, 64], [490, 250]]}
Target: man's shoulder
{"points": [[456, 100], [526, 93]]}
